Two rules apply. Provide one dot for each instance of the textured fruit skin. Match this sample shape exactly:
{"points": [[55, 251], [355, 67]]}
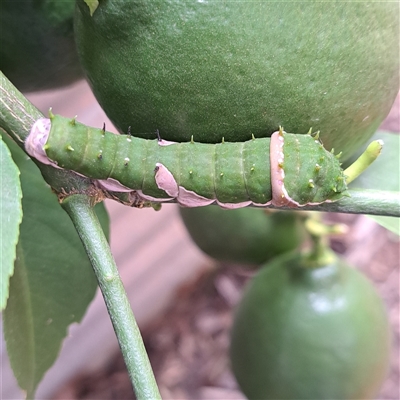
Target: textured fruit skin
{"points": [[310, 334], [37, 48], [243, 236], [229, 69]]}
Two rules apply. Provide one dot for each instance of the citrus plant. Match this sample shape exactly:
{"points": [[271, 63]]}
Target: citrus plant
{"points": [[209, 74]]}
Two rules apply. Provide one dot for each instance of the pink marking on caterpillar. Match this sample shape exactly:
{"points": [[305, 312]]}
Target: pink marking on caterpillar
{"points": [[280, 196]]}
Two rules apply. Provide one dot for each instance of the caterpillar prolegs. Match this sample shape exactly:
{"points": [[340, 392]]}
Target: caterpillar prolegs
{"points": [[285, 170]]}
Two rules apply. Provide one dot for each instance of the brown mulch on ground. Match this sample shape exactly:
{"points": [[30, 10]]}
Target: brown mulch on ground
{"points": [[188, 344]]}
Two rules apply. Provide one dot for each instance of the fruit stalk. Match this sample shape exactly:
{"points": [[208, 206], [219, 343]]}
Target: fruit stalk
{"points": [[320, 253]]}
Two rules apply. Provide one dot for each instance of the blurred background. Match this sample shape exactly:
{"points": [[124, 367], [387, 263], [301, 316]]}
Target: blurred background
{"points": [[182, 302]]}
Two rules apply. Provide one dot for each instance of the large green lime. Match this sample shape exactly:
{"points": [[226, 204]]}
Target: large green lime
{"points": [[303, 333], [229, 69], [37, 49], [245, 235]]}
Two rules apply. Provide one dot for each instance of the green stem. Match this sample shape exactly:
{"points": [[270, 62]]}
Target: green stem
{"points": [[88, 227], [17, 114], [363, 201]]}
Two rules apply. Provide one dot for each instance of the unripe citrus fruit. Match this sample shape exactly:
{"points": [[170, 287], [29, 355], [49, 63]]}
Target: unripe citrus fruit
{"points": [[245, 235], [37, 48], [230, 69], [304, 333]]}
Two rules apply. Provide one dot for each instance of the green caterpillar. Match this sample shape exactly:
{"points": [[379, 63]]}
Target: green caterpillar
{"points": [[286, 170]]}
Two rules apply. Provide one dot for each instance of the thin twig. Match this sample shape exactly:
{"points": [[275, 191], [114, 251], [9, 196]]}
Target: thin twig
{"points": [[129, 338]]}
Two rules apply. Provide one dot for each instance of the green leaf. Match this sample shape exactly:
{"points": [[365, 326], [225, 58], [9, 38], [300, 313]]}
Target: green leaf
{"points": [[92, 4], [10, 218], [384, 174], [53, 282]]}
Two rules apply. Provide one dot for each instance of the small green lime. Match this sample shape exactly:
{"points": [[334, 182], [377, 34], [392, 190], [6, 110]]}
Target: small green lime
{"points": [[245, 235], [230, 69], [303, 333]]}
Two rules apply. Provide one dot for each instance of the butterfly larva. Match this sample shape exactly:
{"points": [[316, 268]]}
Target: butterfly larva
{"points": [[284, 170]]}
